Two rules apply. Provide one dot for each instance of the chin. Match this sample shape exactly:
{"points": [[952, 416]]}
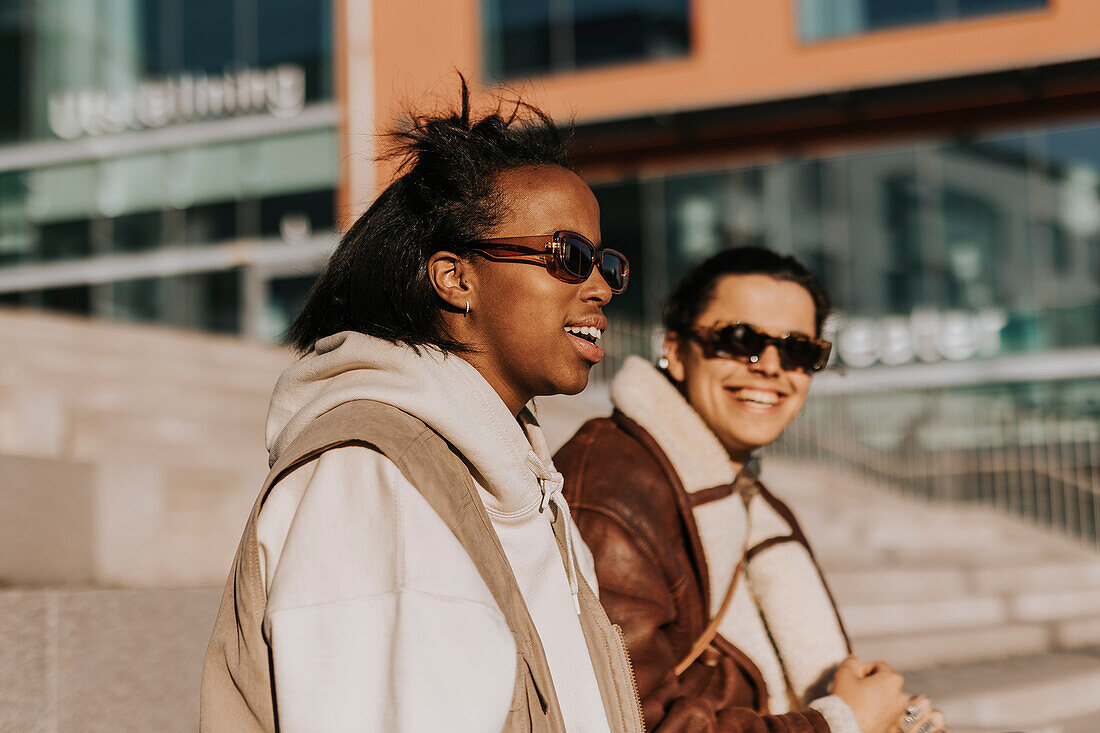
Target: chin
{"points": [[570, 384], [751, 440]]}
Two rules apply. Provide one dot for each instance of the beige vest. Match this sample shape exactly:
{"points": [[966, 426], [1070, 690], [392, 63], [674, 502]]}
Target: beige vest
{"points": [[237, 685]]}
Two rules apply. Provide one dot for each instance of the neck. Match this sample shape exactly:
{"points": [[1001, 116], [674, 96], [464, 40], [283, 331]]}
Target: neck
{"points": [[514, 399]]}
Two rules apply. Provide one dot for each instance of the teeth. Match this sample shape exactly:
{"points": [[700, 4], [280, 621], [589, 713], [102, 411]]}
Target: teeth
{"points": [[590, 331], [758, 396]]}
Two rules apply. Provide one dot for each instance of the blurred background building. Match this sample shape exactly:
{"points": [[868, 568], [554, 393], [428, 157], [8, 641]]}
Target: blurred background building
{"points": [[186, 164], [166, 161]]}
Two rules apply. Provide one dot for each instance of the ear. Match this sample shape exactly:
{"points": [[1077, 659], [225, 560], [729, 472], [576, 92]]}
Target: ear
{"points": [[453, 279], [673, 347]]}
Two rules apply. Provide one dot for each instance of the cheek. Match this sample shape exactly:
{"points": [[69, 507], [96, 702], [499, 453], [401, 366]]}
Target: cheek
{"points": [[528, 309]]}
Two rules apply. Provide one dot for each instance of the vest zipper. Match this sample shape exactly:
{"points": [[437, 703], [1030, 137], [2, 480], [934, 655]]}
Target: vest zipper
{"points": [[630, 670]]}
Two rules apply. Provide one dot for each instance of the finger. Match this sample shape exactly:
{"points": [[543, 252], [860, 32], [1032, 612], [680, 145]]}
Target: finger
{"points": [[933, 722], [881, 666], [919, 706], [917, 710], [850, 662]]}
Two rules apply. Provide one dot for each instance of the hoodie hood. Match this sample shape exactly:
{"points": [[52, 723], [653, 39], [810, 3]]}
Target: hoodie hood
{"points": [[444, 391]]}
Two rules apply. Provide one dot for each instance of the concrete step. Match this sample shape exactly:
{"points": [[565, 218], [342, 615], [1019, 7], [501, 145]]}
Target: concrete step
{"points": [[169, 370], [920, 583], [880, 619], [918, 649], [1045, 692], [117, 395], [846, 556], [44, 333]]}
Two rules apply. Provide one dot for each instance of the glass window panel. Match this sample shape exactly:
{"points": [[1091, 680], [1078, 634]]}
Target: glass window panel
{"points": [[621, 229], [694, 218], [202, 175], [16, 234], [611, 30], [76, 299], [62, 192], [524, 38], [972, 234], [820, 19], [298, 216], [210, 223], [65, 240], [981, 7], [13, 39], [892, 13], [135, 183], [291, 31], [285, 298], [291, 163], [209, 301], [518, 36], [137, 232], [137, 300], [208, 36]]}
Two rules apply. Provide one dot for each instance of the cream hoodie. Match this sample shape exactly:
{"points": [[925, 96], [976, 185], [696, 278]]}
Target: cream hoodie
{"points": [[377, 618]]}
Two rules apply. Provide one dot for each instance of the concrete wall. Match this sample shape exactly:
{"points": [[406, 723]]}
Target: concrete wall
{"points": [[105, 661]]}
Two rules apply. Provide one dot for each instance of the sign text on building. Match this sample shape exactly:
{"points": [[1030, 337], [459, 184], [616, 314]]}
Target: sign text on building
{"points": [[280, 91], [926, 335]]}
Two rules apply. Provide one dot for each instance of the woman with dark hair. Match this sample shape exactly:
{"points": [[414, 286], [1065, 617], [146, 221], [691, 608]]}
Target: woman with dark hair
{"points": [[410, 564], [726, 614]]}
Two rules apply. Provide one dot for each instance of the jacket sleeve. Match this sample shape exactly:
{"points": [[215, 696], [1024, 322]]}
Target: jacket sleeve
{"points": [[637, 598], [376, 619]]}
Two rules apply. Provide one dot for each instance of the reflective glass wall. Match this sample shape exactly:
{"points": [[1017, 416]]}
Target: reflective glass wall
{"points": [[933, 251], [148, 141], [85, 67]]}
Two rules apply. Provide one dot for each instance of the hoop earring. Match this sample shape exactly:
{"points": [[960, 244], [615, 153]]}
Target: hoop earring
{"points": [[467, 309]]}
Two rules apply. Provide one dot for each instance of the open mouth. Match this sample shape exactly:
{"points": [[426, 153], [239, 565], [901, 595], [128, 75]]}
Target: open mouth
{"points": [[760, 397], [591, 334]]}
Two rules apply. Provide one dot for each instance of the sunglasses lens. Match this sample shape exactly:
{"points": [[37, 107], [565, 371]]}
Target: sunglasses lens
{"points": [[615, 270], [801, 353], [739, 341], [577, 257]]}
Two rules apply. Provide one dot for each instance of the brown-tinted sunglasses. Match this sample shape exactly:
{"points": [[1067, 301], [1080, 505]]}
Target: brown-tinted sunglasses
{"points": [[744, 342], [568, 256]]}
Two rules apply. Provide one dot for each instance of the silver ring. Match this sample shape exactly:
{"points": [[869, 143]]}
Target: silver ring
{"points": [[912, 715]]}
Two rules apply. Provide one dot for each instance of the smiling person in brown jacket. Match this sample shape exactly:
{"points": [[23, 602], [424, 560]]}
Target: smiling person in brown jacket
{"points": [[665, 493]]}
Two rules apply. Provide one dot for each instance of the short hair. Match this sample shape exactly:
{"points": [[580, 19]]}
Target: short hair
{"points": [[694, 291], [445, 198]]}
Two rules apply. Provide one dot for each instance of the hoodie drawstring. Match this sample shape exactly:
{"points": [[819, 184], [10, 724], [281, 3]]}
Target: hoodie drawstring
{"points": [[551, 483]]}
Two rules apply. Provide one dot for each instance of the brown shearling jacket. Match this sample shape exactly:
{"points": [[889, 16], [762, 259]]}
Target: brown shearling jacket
{"points": [[634, 514]]}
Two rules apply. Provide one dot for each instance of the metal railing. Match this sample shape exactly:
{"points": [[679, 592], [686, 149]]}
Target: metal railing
{"points": [[1028, 444]]}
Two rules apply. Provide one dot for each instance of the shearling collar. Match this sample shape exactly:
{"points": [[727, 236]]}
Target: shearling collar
{"points": [[646, 396]]}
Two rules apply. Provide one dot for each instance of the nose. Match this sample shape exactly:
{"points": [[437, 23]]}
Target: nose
{"points": [[768, 364], [596, 289]]}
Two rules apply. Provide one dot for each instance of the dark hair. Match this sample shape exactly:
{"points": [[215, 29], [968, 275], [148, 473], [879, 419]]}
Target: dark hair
{"points": [[376, 282], [696, 288]]}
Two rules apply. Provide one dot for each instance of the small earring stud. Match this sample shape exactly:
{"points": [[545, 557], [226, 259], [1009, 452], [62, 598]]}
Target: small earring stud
{"points": [[662, 363]]}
